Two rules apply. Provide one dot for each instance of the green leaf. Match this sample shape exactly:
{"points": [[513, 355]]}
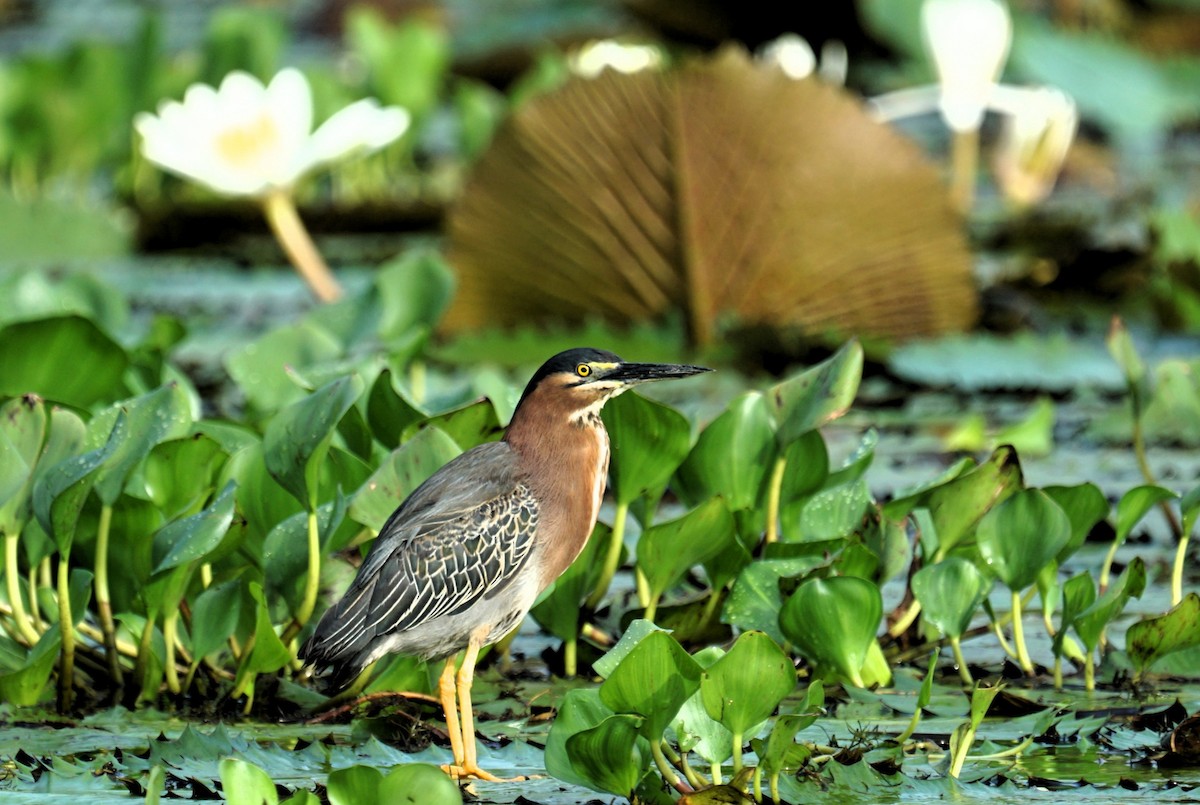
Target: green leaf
{"points": [[807, 467], [1085, 505], [389, 410], [744, 687], [949, 593], [637, 630], [354, 785], [653, 681], [695, 730], [468, 425], [1135, 504], [1091, 622], [400, 474], [269, 653], [297, 439], [833, 622], [260, 368], [260, 500], [161, 414], [285, 550], [193, 538], [419, 784], [1078, 593], [755, 600], [611, 756], [1189, 508], [1021, 535], [832, 513], [178, 475], [666, 551], [27, 684], [67, 359], [957, 506], [414, 291], [732, 457], [215, 615], [1149, 640], [817, 395], [244, 783], [23, 423], [581, 709], [59, 495], [649, 441], [783, 734]]}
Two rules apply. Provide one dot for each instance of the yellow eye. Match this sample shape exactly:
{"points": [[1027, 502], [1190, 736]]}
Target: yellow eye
{"points": [[583, 370]]}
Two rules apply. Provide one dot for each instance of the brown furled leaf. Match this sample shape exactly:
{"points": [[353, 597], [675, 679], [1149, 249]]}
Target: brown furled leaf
{"points": [[721, 187]]}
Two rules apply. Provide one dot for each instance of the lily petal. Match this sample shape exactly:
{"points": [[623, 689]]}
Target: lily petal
{"points": [[362, 127]]}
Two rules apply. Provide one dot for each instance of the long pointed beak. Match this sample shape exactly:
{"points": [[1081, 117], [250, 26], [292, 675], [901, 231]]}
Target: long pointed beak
{"points": [[632, 373]]}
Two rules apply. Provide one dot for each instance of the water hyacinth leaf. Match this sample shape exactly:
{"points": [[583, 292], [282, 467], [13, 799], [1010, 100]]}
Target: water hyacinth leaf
{"points": [[23, 423], [1135, 504], [612, 755], [419, 784], [807, 467], [1189, 509], [666, 551], [269, 653], [581, 709], [833, 621], [649, 441], [45, 357], [1020, 535], [639, 629], [782, 737], [653, 681], [164, 413], [215, 615], [285, 550], [744, 687], [414, 291], [260, 500], [1120, 346], [389, 410], [832, 513], [59, 494], [28, 683], [354, 785], [950, 592], [1085, 505], [1090, 623], [732, 456], [193, 538], [1078, 593], [297, 438], [243, 783], [1149, 640], [695, 730], [755, 600], [400, 474], [957, 506], [817, 395], [904, 501], [179, 474], [468, 425], [260, 368], [857, 463]]}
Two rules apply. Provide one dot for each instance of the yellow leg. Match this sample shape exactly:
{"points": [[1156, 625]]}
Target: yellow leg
{"points": [[450, 708], [467, 765]]}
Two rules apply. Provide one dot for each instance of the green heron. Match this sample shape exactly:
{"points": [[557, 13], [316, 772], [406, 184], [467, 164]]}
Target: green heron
{"points": [[463, 558]]}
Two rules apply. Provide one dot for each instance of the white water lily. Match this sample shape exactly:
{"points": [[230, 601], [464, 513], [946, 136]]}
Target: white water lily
{"points": [[969, 42], [246, 139], [1039, 127], [609, 54]]}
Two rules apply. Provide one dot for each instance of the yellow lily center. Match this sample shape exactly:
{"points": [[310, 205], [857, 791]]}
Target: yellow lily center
{"points": [[245, 145]]}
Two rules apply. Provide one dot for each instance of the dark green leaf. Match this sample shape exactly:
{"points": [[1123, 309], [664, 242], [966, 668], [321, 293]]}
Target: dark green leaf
{"points": [[354, 785], [244, 783], [950, 592], [1085, 506], [833, 622], [649, 441], [653, 681], [817, 395], [389, 411], [732, 457], [400, 474], [1151, 639], [581, 710], [666, 551], [744, 687], [610, 756], [164, 413], [193, 538], [419, 784], [23, 423], [1021, 535], [1091, 622], [957, 506], [67, 359], [59, 495]]}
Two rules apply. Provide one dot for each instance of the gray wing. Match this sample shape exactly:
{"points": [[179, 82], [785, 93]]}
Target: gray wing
{"points": [[461, 536]]}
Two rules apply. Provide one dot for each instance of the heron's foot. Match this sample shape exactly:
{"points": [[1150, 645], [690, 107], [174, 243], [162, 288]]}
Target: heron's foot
{"points": [[461, 771]]}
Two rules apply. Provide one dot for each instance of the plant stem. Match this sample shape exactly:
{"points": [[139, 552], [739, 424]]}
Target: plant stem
{"points": [[693, 777], [289, 230], [1019, 635], [12, 580], [103, 599], [651, 608], [906, 620], [1089, 673], [612, 557], [1058, 677], [643, 587], [665, 768], [66, 624], [774, 492], [964, 672], [571, 656], [312, 583], [141, 666], [1106, 568], [1177, 571], [35, 614], [717, 777], [710, 606], [964, 161], [170, 620], [737, 753]]}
